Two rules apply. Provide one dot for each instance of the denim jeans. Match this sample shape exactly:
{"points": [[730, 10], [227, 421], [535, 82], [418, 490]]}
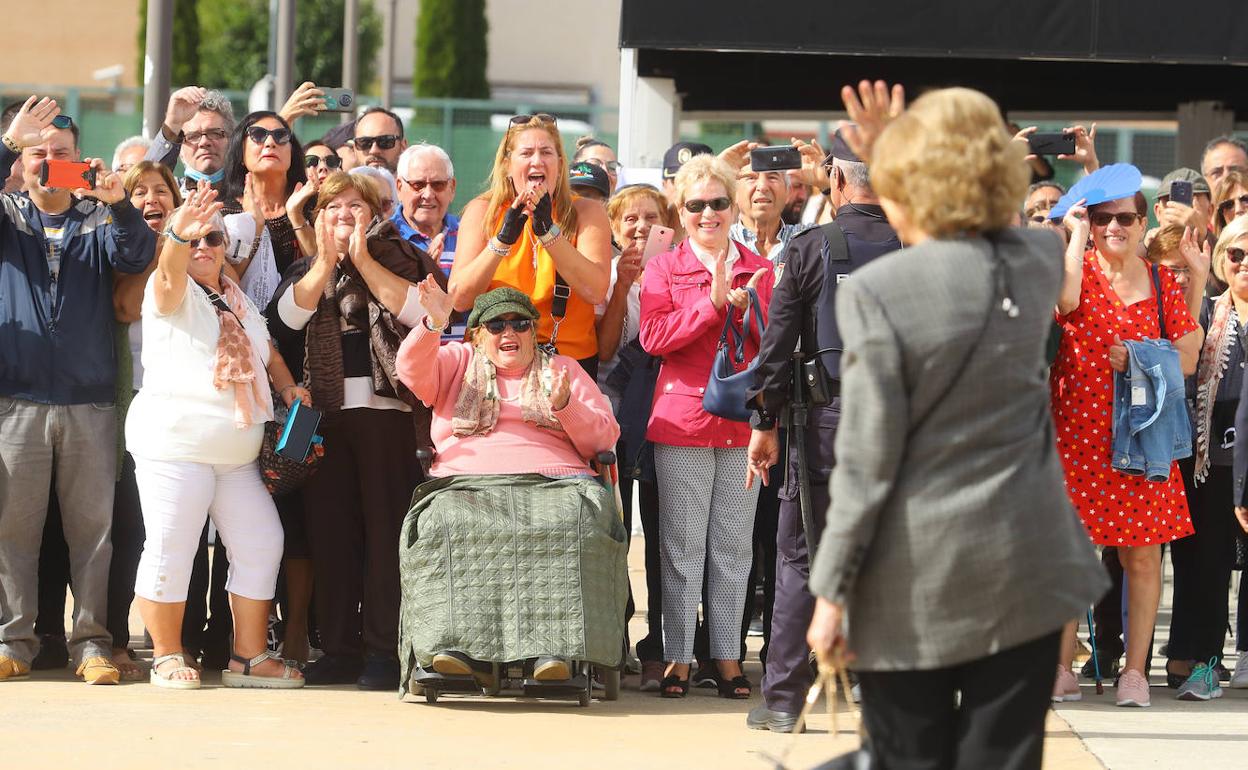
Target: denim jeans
{"points": [[80, 442], [1151, 426]]}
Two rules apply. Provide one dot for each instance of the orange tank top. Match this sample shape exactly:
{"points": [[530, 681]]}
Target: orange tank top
{"points": [[530, 268]]}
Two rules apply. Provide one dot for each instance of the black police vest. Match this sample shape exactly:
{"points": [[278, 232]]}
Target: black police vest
{"points": [[842, 254]]}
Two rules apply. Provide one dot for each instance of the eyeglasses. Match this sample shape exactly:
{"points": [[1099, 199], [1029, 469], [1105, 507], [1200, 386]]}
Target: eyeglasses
{"points": [[62, 121], [211, 134], [211, 240], [331, 161], [605, 165], [544, 118], [1103, 218], [1227, 205], [260, 135], [519, 325], [1235, 255], [383, 142], [695, 206], [437, 185]]}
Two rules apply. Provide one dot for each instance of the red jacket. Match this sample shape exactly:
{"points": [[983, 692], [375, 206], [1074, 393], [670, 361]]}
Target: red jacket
{"points": [[680, 324]]}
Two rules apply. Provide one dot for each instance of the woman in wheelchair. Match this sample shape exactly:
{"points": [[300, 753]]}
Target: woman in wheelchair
{"points": [[514, 550]]}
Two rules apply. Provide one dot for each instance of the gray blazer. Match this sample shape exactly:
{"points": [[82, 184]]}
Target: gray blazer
{"points": [[950, 536]]}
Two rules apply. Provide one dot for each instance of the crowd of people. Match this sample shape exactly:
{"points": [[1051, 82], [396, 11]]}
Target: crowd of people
{"points": [[152, 326]]}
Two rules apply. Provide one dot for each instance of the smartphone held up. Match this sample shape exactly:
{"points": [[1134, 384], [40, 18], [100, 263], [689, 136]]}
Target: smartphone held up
{"points": [[67, 174]]}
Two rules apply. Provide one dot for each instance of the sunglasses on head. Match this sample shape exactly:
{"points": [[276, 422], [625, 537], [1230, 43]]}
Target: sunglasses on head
{"points": [[331, 161], [62, 121], [260, 135], [384, 142], [605, 165], [544, 118], [1235, 255], [1103, 218], [498, 325], [695, 206], [437, 185], [1228, 205], [211, 240]]}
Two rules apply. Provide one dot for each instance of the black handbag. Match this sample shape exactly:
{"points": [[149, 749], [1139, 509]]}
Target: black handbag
{"points": [[727, 389]]}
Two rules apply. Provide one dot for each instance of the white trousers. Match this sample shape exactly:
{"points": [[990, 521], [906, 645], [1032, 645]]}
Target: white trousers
{"points": [[176, 498]]}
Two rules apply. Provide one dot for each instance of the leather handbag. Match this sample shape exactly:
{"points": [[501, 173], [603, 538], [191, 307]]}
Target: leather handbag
{"points": [[727, 389], [281, 474]]}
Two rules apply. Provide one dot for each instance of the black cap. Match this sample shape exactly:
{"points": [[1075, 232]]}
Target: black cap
{"points": [[679, 154], [838, 148], [585, 174]]}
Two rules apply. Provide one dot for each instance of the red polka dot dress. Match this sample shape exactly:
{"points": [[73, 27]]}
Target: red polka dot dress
{"points": [[1117, 509]]}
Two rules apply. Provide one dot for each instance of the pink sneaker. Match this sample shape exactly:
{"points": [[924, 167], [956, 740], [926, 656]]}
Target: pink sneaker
{"points": [[1065, 687], [1133, 689]]}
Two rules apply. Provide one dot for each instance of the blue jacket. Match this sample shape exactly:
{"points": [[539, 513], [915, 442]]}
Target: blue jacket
{"points": [[62, 352], [1151, 426]]}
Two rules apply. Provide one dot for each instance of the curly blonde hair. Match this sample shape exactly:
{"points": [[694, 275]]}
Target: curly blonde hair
{"points": [[950, 165], [702, 168]]}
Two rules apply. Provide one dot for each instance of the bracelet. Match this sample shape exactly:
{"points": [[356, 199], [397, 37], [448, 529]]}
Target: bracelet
{"points": [[500, 248], [300, 227], [11, 143], [440, 329], [169, 233], [551, 235]]}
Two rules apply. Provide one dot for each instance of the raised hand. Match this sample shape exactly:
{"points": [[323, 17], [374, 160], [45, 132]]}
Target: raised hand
{"points": [[513, 221], [560, 389], [1024, 137], [436, 302], [719, 281], [357, 246], [304, 192], [628, 268], [436, 244], [543, 215], [738, 155], [306, 100], [870, 110], [1085, 148], [193, 219], [183, 104], [813, 171], [32, 123], [108, 188], [1198, 258], [1076, 223], [326, 246]]}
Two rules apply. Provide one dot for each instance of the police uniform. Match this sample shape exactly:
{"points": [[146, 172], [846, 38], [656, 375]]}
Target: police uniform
{"points": [[804, 301]]}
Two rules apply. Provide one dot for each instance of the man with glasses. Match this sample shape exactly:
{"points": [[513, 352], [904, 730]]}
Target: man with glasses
{"points": [[197, 126], [1223, 154], [379, 139], [1040, 200], [426, 182], [57, 254]]}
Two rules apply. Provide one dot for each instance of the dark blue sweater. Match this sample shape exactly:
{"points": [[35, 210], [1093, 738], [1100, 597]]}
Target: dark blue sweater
{"points": [[61, 351]]}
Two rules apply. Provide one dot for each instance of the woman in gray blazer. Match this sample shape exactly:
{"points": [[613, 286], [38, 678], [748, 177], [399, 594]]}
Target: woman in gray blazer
{"points": [[951, 548]]}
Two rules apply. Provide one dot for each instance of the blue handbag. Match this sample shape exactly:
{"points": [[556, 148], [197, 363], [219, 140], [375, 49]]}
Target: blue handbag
{"points": [[727, 390]]}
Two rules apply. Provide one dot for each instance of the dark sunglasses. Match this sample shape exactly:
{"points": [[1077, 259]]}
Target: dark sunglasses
{"points": [[1103, 218], [695, 206], [498, 325], [62, 121], [544, 118], [1235, 254], [260, 135], [437, 185], [331, 161], [384, 142], [211, 240], [1227, 205]]}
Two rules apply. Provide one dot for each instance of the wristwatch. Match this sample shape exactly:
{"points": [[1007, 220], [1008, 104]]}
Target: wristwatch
{"points": [[762, 420]]}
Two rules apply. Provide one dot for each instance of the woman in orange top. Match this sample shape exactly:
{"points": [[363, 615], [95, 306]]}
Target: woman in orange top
{"points": [[527, 227]]}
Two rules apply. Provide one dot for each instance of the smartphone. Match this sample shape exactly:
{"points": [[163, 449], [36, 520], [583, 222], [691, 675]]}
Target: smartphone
{"points": [[658, 241], [1181, 192], [1060, 143], [299, 433], [67, 174], [779, 158], [339, 100]]}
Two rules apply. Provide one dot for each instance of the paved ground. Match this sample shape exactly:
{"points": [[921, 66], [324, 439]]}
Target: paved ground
{"points": [[56, 722]]}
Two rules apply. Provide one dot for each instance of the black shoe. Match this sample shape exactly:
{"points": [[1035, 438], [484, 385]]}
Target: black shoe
{"points": [[379, 673], [216, 656], [53, 653], [706, 677], [763, 718], [1109, 667], [336, 669]]}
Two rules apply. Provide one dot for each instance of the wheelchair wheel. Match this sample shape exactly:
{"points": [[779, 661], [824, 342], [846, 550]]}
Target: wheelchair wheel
{"points": [[583, 697], [494, 689], [611, 684], [415, 689], [431, 695]]}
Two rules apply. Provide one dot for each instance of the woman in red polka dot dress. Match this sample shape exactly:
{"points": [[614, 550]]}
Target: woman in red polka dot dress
{"points": [[1107, 296]]}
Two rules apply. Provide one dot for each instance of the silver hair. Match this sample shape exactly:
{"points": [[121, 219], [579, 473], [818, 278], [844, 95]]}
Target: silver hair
{"points": [[215, 101], [126, 144], [381, 174], [424, 148], [856, 174]]}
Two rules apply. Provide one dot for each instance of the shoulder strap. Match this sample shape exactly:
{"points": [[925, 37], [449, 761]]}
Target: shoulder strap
{"points": [[1161, 302], [836, 248]]}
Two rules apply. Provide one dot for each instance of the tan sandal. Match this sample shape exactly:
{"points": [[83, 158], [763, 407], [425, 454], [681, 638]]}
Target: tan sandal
{"points": [[98, 669], [12, 669], [168, 681]]}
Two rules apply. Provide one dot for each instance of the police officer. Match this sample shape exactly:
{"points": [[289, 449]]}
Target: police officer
{"points": [[814, 263]]}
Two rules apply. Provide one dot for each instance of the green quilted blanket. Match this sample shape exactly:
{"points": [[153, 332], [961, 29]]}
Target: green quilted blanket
{"points": [[505, 568]]}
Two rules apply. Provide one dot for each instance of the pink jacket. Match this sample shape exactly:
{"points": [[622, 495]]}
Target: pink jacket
{"points": [[680, 324], [436, 374]]}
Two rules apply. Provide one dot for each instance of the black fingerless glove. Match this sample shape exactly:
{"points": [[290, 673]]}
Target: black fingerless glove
{"points": [[542, 219], [513, 225]]}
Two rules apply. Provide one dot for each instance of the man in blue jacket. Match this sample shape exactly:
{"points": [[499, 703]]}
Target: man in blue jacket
{"points": [[57, 378]]}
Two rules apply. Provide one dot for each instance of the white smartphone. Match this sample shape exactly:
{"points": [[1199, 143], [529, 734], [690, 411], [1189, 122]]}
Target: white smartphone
{"points": [[658, 241]]}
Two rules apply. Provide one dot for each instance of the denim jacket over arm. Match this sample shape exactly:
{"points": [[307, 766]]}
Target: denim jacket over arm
{"points": [[1151, 426]]}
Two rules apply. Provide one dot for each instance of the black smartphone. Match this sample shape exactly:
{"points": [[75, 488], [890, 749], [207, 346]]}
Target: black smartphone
{"points": [[779, 158], [339, 100], [1060, 143], [1181, 192], [299, 433]]}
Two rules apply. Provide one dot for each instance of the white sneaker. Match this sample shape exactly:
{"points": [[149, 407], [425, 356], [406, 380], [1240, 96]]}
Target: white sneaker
{"points": [[1239, 680]]}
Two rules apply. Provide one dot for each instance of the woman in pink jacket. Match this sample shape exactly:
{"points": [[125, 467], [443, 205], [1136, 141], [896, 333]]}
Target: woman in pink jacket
{"points": [[706, 515]]}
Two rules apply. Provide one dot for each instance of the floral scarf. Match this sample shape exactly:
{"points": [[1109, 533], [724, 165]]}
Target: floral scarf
{"points": [[238, 364], [1213, 359], [476, 408]]}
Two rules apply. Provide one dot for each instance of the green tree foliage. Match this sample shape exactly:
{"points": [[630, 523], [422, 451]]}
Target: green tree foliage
{"points": [[451, 50], [185, 38]]}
